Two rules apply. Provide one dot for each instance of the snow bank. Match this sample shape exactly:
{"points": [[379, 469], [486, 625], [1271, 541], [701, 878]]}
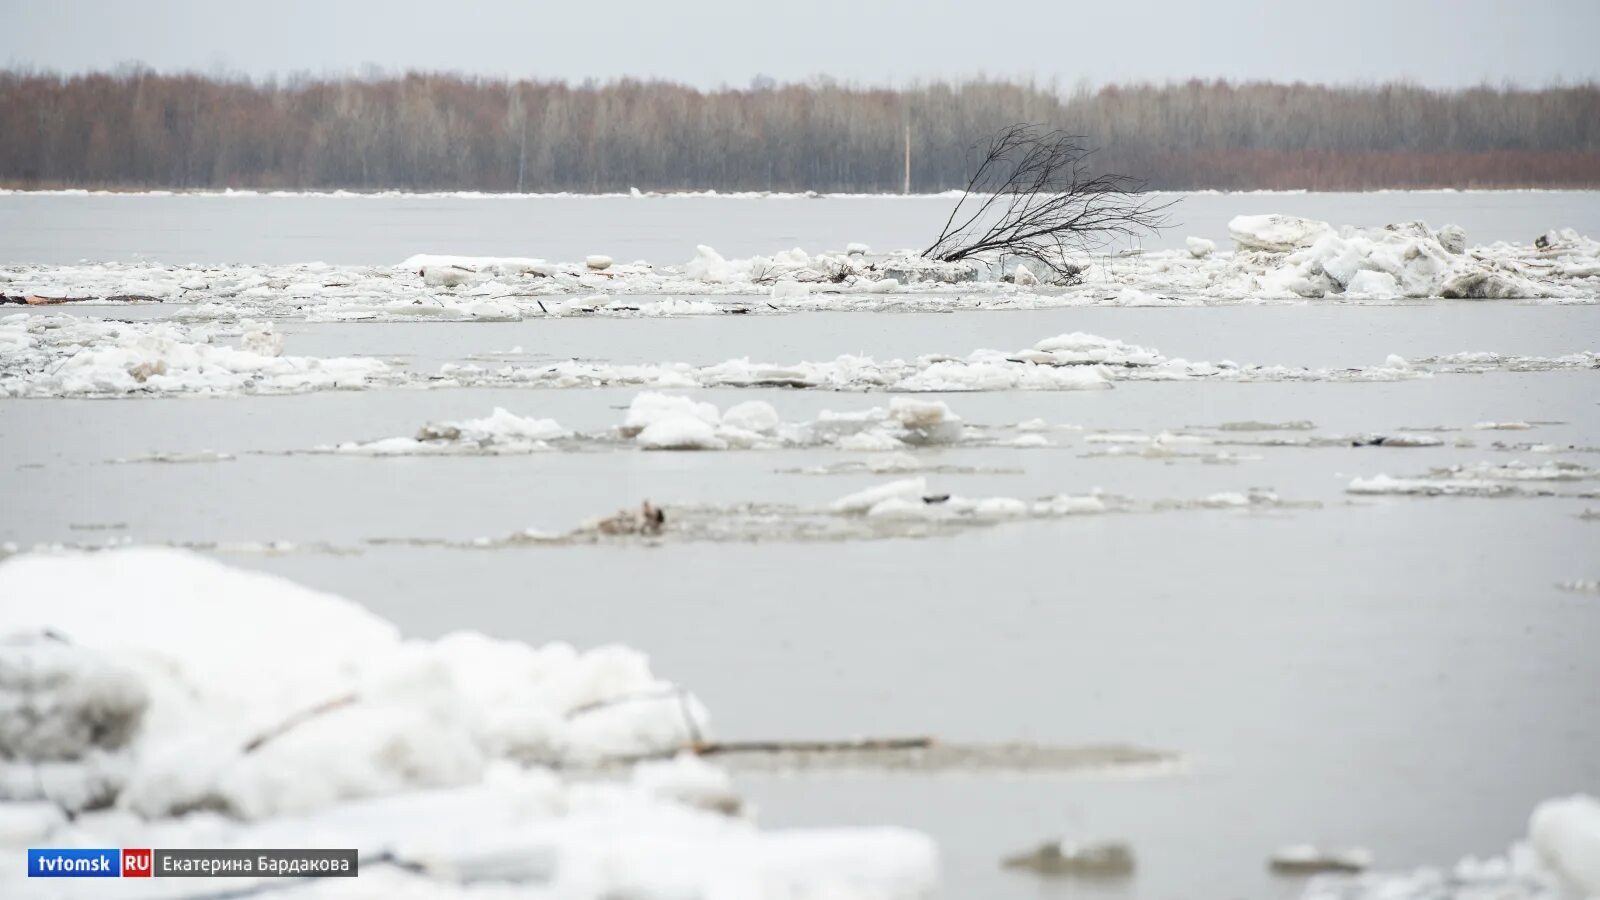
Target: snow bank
{"points": [[168, 700], [205, 646]]}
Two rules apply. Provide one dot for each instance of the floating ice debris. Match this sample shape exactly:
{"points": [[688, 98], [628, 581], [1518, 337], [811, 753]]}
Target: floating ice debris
{"points": [[1164, 445], [1251, 425], [1429, 487], [1554, 470], [895, 463], [1502, 426], [598, 262], [1482, 361], [1200, 247], [1560, 860], [499, 426], [500, 432], [681, 433], [1281, 259], [1580, 586], [1079, 349], [657, 421], [1306, 859], [1068, 362], [864, 501], [260, 338], [55, 356], [198, 456], [1394, 440], [901, 509], [1109, 859]]}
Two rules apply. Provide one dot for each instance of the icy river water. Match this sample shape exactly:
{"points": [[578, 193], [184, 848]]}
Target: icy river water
{"points": [[1406, 673]]}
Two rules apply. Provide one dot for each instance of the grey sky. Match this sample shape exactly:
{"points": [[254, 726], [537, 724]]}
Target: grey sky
{"points": [[711, 42]]}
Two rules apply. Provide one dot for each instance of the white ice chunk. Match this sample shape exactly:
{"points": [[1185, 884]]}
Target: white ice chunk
{"points": [[1274, 233], [648, 407], [864, 500], [1566, 834], [680, 433], [752, 415]]}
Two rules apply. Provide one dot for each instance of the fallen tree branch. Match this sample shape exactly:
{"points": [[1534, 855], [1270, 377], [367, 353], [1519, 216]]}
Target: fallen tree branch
{"points": [[1034, 196], [298, 719]]}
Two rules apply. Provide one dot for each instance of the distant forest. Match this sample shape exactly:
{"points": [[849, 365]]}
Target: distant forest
{"points": [[135, 129]]}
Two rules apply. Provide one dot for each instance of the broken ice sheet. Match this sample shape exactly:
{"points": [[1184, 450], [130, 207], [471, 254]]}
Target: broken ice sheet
{"points": [[907, 508]]}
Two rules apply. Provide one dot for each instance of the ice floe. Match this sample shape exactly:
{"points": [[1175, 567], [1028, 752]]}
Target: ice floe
{"points": [[1479, 480], [1068, 362], [1279, 259], [500, 432], [54, 355], [657, 421], [904, 508]]}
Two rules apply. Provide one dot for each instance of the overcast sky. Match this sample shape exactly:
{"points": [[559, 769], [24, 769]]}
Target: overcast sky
{"points": [[714, 42]]}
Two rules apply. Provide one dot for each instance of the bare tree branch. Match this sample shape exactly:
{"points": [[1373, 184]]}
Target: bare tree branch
{"points": [[1034, 196]]}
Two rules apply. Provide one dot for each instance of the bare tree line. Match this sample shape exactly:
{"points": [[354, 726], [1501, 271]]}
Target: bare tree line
{"points": [[136, 129]]}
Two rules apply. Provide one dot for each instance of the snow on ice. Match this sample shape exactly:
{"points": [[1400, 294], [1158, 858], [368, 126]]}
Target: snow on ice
{"points": [[56, 355], [656, 421], [147, 703], [1278, 259]]}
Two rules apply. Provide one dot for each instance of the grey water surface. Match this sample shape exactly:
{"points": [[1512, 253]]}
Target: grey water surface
{"points": [[384, 230], [1399, 673]]}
